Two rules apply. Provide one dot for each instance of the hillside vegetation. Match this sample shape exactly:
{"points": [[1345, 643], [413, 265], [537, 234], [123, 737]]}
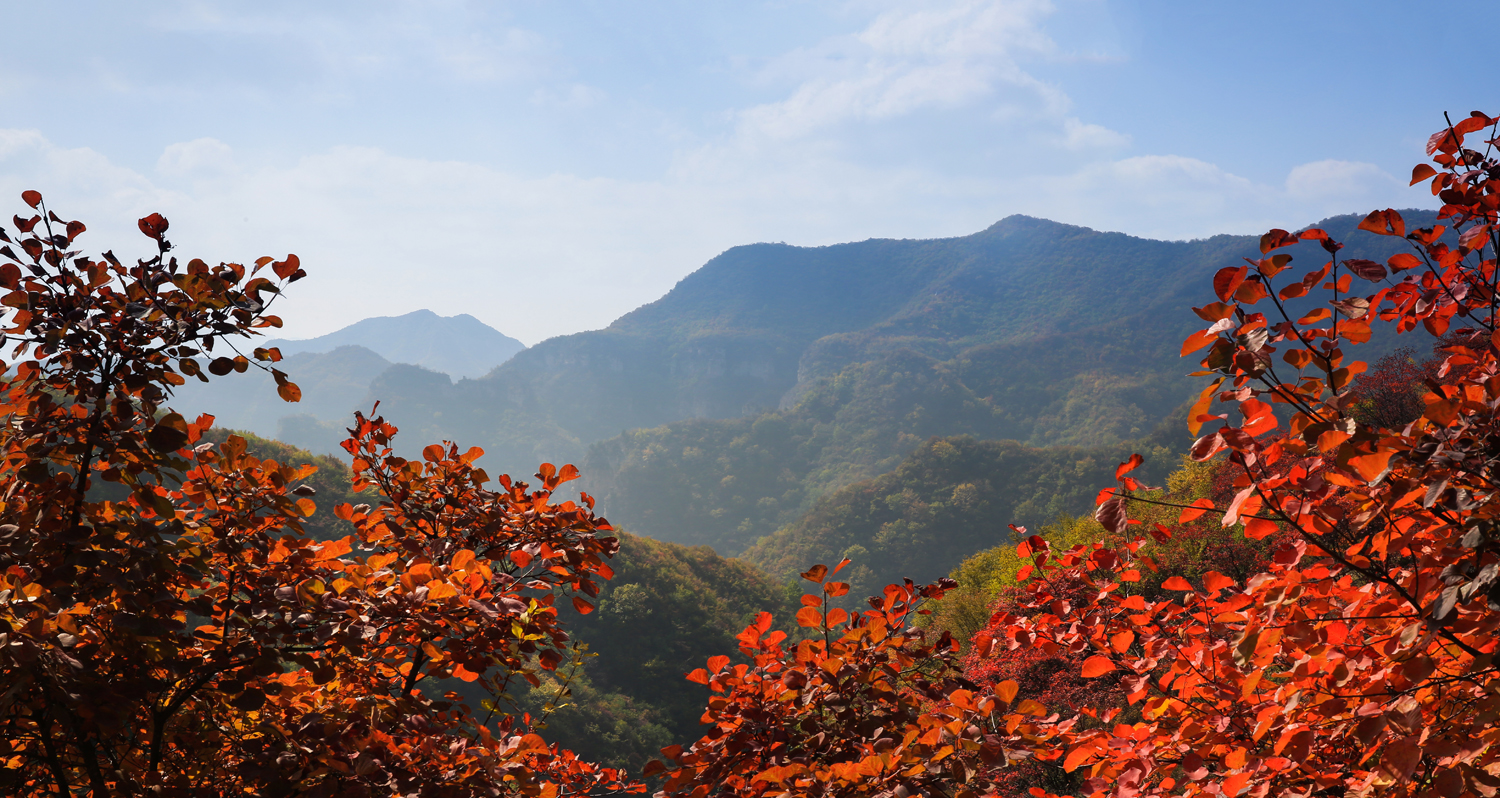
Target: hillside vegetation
{"points": [[951, 498]]}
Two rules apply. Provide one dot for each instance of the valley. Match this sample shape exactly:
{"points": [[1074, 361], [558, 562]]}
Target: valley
{"points": [[901, 407]]}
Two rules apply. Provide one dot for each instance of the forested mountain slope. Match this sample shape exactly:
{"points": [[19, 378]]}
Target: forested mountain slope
{"points": [[1062, 335], [951, 498], [774, 373], [1071, 338]]}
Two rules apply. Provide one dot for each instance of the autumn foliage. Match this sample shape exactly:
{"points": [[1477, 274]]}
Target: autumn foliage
{"points": [[1361, 661], [168, 628], [866, 706]]}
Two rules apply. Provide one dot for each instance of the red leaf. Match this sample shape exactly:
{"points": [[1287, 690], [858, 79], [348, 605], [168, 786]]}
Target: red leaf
{"points": [[1365, 269], [583, 607], [1259, 528], [1096, 666], [1195, 512], [286, 268], [1227, 279], [1176, 583], [32, 198], [1421, 172], [698, 675], [816, 573], [154, 226], [1207, 446], [1197, 341], [1403, 261], [1274, 239], [717, 663], [1385, 223], [809, 617], [1111, 515], [1475, 237], [1214, 311], [1129, 465], [1213, 581], [1442, 140], [1031, 547], [1006, 691]]}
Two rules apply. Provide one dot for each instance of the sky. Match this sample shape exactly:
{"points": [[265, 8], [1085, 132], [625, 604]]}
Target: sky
{"points": [[548, 166]]}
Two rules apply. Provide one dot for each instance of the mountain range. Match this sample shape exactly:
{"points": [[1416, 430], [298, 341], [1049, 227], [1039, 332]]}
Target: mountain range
{"points": [[460, 346], [335, 373], [775, 374], [899, 403]]}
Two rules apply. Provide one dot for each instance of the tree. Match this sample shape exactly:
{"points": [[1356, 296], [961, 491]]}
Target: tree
{"points": [[167, 628], [1362, 661], [868, 705]]}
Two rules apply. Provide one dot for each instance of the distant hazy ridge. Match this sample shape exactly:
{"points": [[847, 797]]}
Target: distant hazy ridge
{"points": [[774, 374]]}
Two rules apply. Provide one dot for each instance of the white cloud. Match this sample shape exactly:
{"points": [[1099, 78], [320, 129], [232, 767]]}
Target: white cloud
{"points": [[1097, 138], [910, 59], [1340, 181], [537, 249], [205, 156], [535, 257]]}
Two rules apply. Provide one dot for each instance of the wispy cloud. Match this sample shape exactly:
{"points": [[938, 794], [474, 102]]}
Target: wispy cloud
{"points": [[909, 59]]}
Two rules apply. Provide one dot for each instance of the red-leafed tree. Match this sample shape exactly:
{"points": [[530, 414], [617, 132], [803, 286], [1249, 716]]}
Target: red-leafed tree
{"points": [[1361, 661], [868, 706], [166, 628]]}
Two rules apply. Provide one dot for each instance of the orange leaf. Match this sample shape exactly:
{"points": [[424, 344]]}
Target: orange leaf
{"points": [[1385, 223], [334, 548], [1213, 581], [1006, 691], [816, 573], [583, 607], [1372, 465], [1228, 279], [1403, 261], [717, 663], [1096, 666], [809, 617], [1129, 465], [1077, 757], [1200, 407], [1235, 784], [1259, 528], [1195, 512], [464, 673], [699, 675], [1197, 341], [1176, 583]]}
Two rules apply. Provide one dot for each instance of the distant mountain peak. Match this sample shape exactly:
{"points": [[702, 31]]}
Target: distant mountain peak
{"points": [[460, 346]]}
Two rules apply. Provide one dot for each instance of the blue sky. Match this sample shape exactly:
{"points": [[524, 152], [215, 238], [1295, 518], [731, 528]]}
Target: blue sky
{"points": [[548, 166]]}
